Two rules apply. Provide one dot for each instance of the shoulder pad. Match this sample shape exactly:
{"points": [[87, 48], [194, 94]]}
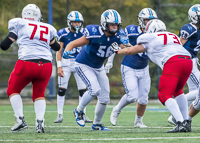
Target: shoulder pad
{"points": [[133, 30], [92, 31], [187, 30]]}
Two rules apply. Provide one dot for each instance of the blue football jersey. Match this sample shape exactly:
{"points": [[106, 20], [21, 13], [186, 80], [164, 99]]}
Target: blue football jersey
{"points": [[66, 36], [192, 33], [99, 48], [137, 61]]}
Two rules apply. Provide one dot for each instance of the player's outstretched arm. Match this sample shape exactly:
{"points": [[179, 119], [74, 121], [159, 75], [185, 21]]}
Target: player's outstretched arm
{"points": [[82, 41], [129, 50]]}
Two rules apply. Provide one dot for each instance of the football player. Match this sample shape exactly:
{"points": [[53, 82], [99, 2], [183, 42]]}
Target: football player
{"points": [[67, 66], [192, 42], [135, 72], [165, 50], [89, 64], [190, 39], [33, 65]]}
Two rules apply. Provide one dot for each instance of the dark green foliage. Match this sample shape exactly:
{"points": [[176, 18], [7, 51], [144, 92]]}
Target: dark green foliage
{"points": [[172, 12]]}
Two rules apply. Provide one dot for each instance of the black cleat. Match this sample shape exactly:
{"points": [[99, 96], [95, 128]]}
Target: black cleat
{"points": [[180, 127], [19, 125], [188, 125], [40, 126]]}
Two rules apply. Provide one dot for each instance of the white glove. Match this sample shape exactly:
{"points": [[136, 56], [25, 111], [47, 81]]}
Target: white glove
{"points": [[108, 66], [115, 47]]}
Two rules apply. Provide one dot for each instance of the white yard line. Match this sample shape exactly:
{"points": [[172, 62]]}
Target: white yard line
{"points": [[103, 139]]}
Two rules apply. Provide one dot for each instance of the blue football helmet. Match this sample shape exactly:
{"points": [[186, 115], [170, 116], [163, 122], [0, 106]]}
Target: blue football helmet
{"points": [[75, 16], [110, 16], [146, 13]]}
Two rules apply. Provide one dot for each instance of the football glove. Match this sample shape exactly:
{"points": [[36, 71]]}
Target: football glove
{"points": [[115, 47], [124, 39], [68, 55]]}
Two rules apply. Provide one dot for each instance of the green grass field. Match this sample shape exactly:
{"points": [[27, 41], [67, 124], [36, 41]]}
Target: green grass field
{"points": [[68, 131]]}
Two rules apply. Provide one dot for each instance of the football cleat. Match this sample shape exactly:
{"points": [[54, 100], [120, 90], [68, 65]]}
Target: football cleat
{"points": [[180, 127], [79, 118], [114, 115], [86, 119], [139, 124], [188, 125], [39, 126], [19, 125], [172, 120], [99, 127], [59, 119]]}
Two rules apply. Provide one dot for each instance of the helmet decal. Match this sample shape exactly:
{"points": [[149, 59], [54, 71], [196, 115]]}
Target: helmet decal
{"points": [[116, 18], [77, 18], [106, 15]]}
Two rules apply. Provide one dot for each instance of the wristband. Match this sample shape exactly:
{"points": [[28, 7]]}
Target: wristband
{"points": [[59, 64]]}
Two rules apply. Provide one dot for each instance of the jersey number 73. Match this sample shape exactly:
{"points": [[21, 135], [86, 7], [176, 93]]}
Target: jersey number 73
{"points": [[175, 38]]}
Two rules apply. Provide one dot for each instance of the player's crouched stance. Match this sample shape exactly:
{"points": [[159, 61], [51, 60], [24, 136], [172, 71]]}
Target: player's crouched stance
{"points": [[165, 50], [33, 65]]}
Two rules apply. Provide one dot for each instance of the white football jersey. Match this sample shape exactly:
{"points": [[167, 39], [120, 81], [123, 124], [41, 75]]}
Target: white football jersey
{"points": [[161, 46], [33, 38]]}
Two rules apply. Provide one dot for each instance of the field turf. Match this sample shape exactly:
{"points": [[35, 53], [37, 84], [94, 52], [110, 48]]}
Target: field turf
{"points": [[155, 118]]}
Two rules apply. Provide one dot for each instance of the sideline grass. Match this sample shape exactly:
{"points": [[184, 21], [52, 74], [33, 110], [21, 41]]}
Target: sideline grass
{"points": [[68, 131]]}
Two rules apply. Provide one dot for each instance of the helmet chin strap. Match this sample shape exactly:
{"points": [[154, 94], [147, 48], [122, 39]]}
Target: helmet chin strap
{"points": [[77, 28]]}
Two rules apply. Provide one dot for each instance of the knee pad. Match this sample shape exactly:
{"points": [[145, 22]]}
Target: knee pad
{"points": [[143, 101], [81, 92], [61, 91], [130, 99], [104, 99], [95, 92], [196, 104]]}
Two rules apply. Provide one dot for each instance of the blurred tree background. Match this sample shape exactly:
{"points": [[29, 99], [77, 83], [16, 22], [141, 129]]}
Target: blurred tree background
{"points": [[172, 12]]}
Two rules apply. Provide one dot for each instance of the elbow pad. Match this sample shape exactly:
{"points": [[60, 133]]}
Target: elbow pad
{"points": [[5, 44], [55, 46]]}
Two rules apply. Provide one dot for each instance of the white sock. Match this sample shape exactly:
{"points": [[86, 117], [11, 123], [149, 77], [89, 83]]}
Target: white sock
{"points": [[191, 96], [40, 107], [182, 103], [122, 103], [138, 118], [60, 103], [190, 118], [80, 98], [99, 112], [173, 107], [17, 105], [86, 99]]}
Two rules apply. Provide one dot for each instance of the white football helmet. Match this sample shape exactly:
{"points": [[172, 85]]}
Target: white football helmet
{"points": [[31, 12], [155, 25], [75, 16], [194, 14], [146, 13], [110, 16]]}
